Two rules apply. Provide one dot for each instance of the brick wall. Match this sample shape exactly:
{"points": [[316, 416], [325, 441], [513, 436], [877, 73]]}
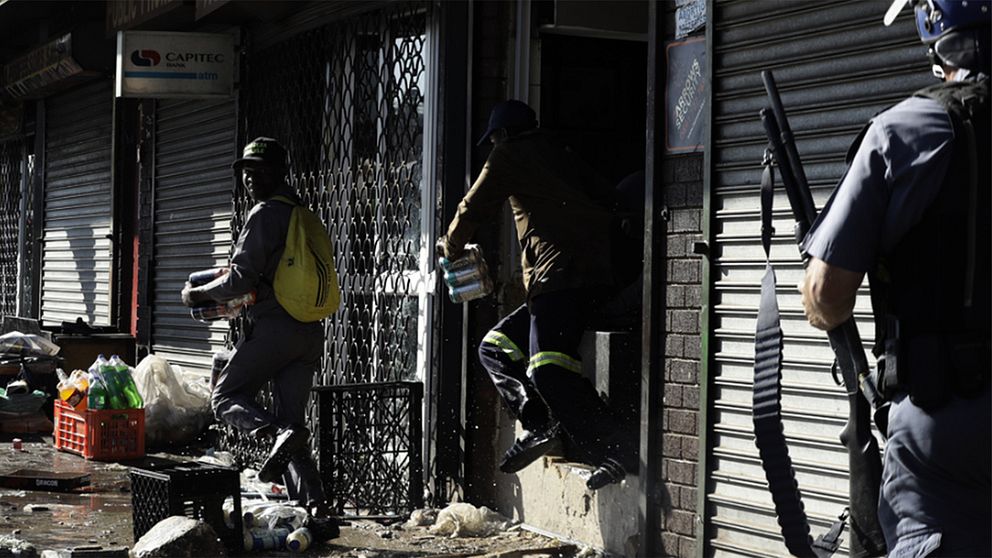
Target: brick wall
{"points": [[682, 177]]}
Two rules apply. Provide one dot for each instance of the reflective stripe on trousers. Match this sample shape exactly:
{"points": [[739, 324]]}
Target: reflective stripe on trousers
{"points": [[505, 344], [555, 358]]}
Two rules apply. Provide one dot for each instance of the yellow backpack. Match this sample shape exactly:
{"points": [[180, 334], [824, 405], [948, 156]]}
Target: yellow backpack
{"points": [[306, 283]]}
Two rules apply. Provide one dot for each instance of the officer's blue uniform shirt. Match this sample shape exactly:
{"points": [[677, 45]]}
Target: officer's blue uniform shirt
{"points": [[889, 184], [928, 497]]}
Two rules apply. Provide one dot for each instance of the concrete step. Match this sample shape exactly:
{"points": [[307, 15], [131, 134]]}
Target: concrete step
{"points": [[550, 494]]}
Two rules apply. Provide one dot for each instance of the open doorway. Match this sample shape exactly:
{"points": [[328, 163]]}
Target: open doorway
{"points": [[593, 92], [593, 95]]}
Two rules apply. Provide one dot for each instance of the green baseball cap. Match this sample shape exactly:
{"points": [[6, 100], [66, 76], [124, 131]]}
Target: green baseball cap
{"points": [[263, 151]]}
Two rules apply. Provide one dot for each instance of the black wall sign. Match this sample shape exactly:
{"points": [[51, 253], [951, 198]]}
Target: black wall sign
{"points": [[685, 95]]}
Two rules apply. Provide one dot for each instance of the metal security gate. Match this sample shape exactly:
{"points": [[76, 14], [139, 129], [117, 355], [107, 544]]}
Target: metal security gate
{"points": [[836, 66], [77, 250], [12, 160], [352, 102], [195, 143]]}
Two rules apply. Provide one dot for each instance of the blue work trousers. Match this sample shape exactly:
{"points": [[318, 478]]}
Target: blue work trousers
{"points": [[545, 383], [287, 352]]}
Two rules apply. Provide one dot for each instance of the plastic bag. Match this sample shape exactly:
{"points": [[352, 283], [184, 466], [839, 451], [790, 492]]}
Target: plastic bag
{"points": [[177, 408], [27, 344], [465, 520]]}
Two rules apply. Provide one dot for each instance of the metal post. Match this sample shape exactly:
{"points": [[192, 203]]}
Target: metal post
{"points": [[23, 250], [655, 277], [38, 249], [453, 162]]}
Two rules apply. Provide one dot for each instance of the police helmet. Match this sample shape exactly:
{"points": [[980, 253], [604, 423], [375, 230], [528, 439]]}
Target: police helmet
{"points": [[957, 31]]}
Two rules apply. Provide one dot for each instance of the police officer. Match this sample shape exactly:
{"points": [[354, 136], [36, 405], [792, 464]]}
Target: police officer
{"points": [[913, 212], [276, 347], [564, 234]]}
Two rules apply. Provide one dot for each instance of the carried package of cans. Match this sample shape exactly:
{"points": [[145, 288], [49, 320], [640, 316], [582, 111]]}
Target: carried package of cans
{"points": [[467, 277]]}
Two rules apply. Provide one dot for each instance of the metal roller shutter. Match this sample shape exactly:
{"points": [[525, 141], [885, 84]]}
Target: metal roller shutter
{"points": [[194, 147], [77, 251], [836, 66]]}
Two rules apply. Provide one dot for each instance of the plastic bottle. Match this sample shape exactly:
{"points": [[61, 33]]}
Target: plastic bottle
{"points": [[299, 540], [104, 372], [258, 538], [281, 515], [128, 387], [96, 398], [249, 512], [213, 311], [70, 393]]}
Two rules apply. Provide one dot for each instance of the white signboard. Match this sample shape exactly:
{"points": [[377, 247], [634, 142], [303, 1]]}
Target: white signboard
{"points": [[164, 64], [689, 16]]}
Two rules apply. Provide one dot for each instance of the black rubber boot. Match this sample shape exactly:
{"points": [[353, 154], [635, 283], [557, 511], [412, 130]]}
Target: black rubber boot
{"points": [[288, 442], [528, 448], [609, 472]]}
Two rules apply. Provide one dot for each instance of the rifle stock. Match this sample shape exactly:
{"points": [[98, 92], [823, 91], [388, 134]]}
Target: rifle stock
{"points": [[864, 461]]}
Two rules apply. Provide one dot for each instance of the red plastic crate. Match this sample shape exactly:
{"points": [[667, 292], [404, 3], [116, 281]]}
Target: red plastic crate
{"points": [[106, 435]]}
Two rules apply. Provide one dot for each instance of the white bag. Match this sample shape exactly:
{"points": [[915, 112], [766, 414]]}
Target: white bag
{"points": [[177, 408]]}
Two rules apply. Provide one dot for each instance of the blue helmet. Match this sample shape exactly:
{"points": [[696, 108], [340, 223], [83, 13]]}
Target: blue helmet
{"points": [[937, 18], [957, 31]]}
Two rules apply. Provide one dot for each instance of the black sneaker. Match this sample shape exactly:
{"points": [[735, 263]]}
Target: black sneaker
{"points": [[288, 442], [611, 471], [528, 448], [322, 528]]}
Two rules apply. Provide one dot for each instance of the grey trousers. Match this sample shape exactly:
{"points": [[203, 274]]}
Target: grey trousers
{"points": [[287, 352]]}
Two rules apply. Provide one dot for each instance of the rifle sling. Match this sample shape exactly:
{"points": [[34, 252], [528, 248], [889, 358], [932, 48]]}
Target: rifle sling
{"points": [[767, 407]]}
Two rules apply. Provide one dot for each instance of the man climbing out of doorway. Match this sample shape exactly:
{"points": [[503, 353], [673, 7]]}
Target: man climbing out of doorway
{"points": [[275, 346], [564, 234], [913, 212]]}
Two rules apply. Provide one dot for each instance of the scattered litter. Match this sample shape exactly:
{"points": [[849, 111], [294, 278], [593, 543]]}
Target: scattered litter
{"points": [[33, 479], [177, 407], [465, 520], [589, 552], [219, 458], [421, 518], [19, 343], [16, 546]]}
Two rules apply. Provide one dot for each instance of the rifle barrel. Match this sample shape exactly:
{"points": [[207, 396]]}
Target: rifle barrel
{"points": [[792, 159]]}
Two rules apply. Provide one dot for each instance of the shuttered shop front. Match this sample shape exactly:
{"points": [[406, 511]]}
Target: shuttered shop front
{"points": [[836, 66], [77, 251], [194, 148]]}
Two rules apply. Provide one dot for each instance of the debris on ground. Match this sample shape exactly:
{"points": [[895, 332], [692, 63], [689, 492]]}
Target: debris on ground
{"points": [[79, 520], [462, 519], [421, 518], [13, 546], [178, 536]]}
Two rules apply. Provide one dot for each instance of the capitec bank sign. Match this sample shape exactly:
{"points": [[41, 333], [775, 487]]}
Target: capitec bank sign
{"points": [[161, 64]]}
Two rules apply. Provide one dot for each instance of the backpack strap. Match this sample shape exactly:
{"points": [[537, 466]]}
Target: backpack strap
{"points": [[283, 199]]}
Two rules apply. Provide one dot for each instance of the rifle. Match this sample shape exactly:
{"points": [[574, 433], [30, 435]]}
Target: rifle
{"points": [[863, 454]]}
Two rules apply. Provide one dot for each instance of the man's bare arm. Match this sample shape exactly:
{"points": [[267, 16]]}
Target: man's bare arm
{"points": [[828, 293]]}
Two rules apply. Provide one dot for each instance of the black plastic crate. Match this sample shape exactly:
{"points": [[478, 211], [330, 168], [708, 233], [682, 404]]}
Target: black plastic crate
{"points": [[369, 440], [195, 490]]}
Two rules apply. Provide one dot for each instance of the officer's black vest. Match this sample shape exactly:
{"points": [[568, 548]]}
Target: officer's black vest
{"points": [[931, 294]]}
